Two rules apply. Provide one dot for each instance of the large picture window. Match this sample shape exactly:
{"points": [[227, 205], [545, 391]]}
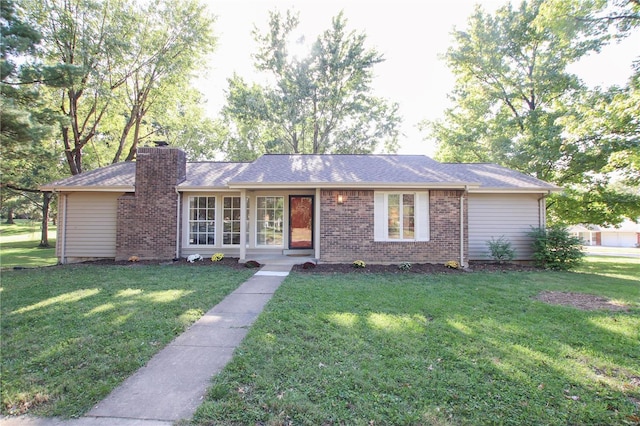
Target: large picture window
{"points": [[401, 216], [269, 218], [202, 220]]}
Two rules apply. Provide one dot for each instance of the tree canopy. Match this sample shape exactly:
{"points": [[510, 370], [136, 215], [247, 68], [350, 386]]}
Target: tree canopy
{"points": [[319, 103], [25, 120], [516, 104], [120, 58]]}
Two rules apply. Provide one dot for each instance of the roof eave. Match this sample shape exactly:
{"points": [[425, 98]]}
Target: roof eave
{"points": [[64, 188], [193, 188], [352, 185], [537, 190]]}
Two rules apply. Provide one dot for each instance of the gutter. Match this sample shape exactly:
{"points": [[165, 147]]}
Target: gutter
{"points": [[124, 188], [177, 256], [353, 185]]}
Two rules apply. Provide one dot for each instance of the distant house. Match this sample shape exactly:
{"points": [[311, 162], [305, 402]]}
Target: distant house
{"points": [[335, 208], [625, 235]]}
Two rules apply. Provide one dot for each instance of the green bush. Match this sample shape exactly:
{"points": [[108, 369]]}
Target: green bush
{"points": [[501, 250], [555, 248]]}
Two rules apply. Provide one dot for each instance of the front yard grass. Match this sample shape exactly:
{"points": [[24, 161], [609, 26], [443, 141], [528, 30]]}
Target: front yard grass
{"points": [[19, 245], [70, 334], [461, 349]]}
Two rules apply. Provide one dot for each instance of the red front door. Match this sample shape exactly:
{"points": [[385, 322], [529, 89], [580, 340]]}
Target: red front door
{"points": [[300, 221]]}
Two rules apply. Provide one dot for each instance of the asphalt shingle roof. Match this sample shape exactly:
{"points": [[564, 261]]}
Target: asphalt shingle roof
{"points": [[493, 176], [114, 175], [310, 170], [211, 174], [344, 169]]}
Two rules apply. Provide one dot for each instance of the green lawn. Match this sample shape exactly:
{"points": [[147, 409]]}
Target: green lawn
{"points": [[70, 334], [19, 245], [409, 349]]}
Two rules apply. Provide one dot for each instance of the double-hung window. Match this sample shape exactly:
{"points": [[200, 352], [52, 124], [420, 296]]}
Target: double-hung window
{"points": [[202, 220], [269, 221], [401, 216], [231, 220]]}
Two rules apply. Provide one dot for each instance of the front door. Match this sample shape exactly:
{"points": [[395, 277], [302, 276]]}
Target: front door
{"points": [[301, 221]]}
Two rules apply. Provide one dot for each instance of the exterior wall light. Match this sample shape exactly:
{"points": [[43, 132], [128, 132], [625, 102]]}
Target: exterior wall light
{"points": [[340, 199]]}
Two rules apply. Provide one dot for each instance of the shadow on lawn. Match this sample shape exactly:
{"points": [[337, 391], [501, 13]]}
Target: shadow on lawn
{"points": [[71, 334], [476, 349]]}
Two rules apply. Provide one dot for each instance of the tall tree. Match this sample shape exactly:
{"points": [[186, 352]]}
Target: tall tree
{"points": [[173, 40], [120, 56], [320, 103], [608, 117], [25, 122], [513, 92]]}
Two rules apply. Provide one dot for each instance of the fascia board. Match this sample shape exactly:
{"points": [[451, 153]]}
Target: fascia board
{"points": [[206, 189], [55, 188], [514, 190], [351, 185]]}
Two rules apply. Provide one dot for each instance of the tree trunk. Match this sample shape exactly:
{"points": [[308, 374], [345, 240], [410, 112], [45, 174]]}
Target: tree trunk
{"points": [[44, 238], [10, 220]]}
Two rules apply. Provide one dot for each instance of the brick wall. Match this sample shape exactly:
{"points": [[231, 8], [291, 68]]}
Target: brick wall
{"points": [[147, 222], [347, 230]]}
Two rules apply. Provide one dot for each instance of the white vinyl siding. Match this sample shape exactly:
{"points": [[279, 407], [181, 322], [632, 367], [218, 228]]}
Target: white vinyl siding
{"points": [[413, 216], [497, 215], [90, 220]]}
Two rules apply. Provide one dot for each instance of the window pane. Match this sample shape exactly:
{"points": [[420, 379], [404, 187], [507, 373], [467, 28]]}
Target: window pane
{"points": [[270, 212], [393, 213], [202, 213]]}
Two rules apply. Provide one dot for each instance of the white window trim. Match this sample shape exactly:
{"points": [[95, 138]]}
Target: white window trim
{"points": [[421, 216], [222, 220], [187, 222], [254, 211]]}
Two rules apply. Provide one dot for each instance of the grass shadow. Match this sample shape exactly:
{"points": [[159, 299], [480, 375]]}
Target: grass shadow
{"points": [[460, 349], [70, 334]]}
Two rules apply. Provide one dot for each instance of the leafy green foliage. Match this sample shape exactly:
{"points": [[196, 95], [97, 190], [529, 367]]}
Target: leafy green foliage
{"points": [[501, 250], [555, 248], [125, 73], [516, 104], [394, 349], [319, 103], [26, 120]]}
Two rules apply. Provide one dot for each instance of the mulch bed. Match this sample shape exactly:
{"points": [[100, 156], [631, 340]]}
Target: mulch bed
{"points": [[585, 302], [416, 268], [339, 268], [227, 261], [576, 300]]}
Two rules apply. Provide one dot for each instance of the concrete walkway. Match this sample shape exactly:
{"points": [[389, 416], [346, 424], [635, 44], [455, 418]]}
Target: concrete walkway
{"points": [[174, 382]]}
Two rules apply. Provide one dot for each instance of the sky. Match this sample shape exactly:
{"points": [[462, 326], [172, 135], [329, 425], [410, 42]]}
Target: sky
{"points": [[410, 34]]}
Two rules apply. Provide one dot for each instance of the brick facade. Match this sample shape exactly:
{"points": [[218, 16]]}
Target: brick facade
{"points": [[147, 220], [347, 230]]}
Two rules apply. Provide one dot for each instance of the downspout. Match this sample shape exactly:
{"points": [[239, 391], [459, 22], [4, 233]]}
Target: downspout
{"points": [[316, 230], [243, 225], [542, 212], [177, 256], [63, 229], [462, 263]]}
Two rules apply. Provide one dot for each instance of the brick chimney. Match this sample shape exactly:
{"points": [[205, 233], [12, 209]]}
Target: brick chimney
{"points": [[148, 219]]}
